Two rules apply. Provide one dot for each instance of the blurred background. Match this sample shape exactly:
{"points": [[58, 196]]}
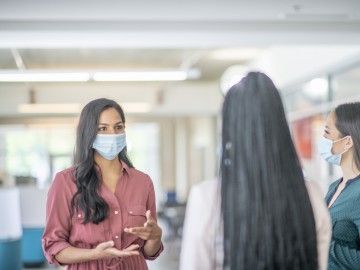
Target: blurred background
{"points": [[169, 65]]}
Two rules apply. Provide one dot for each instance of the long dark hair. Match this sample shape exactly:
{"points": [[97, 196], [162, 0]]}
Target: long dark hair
{"points": [[268, 219], [87, 197], [348, 123]]}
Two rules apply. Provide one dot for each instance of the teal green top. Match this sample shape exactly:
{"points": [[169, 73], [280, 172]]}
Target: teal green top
{"points": [[345, 217]]}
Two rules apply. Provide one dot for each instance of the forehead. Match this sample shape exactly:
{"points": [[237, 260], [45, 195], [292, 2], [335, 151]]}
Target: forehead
{"points": [[330, 120], [110, 115]]}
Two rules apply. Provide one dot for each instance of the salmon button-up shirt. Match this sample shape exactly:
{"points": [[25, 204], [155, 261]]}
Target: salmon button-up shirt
{"points": [[134, 195]]}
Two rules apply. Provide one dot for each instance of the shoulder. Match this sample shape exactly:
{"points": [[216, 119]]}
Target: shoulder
{"points": [[320, 210], [353, 192], [64, 180], [316, 196], [332, 188], [68, 173], [334, 184], [139, 177], [205, 194], [313, 189], [62, 188], [355, 184], [200, 230], [203, 214], [137, 173], [207, 188]]}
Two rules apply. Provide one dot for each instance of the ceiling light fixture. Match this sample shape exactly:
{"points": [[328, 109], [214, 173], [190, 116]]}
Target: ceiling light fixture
{"points": [[42, 76], [158, 75], [101, 76]]}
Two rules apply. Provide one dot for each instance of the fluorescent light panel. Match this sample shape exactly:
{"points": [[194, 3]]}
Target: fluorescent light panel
{"points": [[43, 76], [101, 76], [140, 76]]}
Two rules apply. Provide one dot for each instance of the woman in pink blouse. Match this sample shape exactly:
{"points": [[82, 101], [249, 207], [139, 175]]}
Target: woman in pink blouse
{"points": [[101, 213]]}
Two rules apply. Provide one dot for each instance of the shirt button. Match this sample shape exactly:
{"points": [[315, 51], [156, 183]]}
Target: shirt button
{"points": [[131, 212], [116, 212], [79, 215], [116, 236]]}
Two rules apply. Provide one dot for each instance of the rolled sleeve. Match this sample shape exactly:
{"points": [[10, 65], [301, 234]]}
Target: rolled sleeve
{"points": [[53, 249], [57, 228], [153, 257]]}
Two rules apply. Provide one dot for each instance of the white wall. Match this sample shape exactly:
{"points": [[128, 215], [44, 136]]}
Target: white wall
{"points": [[289, 64]]}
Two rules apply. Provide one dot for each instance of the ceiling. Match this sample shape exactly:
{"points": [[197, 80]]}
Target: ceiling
{"points": [[161, 10], [148, 35], [211, 63], [169, 24]]}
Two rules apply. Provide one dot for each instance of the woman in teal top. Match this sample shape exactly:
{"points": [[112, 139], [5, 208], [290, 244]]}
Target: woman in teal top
{"points": [[341, 146]]}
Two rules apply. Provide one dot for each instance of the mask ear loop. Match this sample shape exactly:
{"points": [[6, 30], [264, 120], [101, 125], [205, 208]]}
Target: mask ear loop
{"points": [[339, 141], [350, 146]]}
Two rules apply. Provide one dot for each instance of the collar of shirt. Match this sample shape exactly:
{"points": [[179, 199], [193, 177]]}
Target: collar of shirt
{"points": [[352, 180], [125, 167]]}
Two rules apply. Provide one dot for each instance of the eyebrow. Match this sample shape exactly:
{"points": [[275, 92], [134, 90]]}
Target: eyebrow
{"points": [[103, 124]]}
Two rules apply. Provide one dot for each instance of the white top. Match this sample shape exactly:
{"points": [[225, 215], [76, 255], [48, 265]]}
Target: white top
{"points": [[200, 251]]}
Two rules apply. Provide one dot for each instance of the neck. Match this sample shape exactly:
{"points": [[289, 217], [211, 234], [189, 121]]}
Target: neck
{"points": [[110, 166], [348, 167]]}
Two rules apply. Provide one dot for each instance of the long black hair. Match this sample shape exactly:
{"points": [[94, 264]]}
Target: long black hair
{"points": [[87, 198], [347, 121], [268, 219]]}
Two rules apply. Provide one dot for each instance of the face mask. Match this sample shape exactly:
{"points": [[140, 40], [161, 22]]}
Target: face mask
{"points": [[325, 146], [109, 145]]}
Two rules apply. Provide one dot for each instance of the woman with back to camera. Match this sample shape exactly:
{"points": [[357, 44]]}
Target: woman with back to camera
{"points": [[101, 213], [263, 215], [340, 145]]}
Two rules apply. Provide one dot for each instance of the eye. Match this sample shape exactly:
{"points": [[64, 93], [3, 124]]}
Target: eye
{"points": [[120, 127], [101, 128]]}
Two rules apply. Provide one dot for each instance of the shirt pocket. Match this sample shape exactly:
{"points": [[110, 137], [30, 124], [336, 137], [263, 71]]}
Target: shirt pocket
{"points": [[89, 233], [136, 216]]}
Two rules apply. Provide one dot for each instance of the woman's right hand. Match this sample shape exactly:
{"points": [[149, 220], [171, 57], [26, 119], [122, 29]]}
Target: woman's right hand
{"points": [[107, 249]]}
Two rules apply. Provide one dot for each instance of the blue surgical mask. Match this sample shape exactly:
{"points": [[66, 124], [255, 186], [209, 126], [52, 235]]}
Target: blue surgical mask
{"points": [[325, 145], [109, 145]]}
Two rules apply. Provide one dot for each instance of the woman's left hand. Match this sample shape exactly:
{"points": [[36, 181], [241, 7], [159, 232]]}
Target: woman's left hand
{"points": [[150, 231]]}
